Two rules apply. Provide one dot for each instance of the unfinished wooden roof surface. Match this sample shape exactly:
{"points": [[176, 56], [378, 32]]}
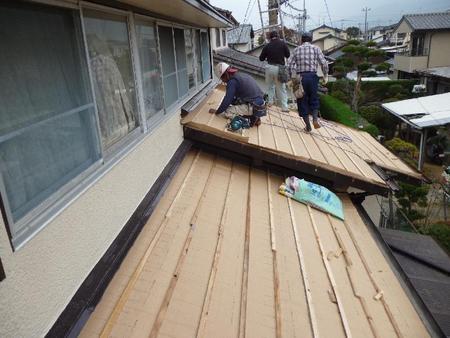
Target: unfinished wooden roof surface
{"points": [[225, 255], [334, 147]]}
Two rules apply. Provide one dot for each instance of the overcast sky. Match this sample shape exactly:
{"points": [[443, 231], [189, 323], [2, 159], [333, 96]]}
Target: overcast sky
{"points": [[343, 13]]}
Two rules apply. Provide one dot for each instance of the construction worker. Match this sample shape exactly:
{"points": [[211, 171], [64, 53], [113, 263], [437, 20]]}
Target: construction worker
{"points": [[303, 63], [275, 53], [242, 92]]}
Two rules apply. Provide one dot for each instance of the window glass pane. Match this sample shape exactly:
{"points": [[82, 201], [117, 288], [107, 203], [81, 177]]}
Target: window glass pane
{"points": [[109, 52], [206, 64], [198, 54], [180, 49], [47, 122], [217, 37], [151, 75], [224, 38], [168, 64], [190, 56]]}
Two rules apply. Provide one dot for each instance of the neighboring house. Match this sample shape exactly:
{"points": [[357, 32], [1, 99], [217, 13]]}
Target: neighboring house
{"points": [[384, 35], [241, 38], [428, 46], [89, 120], [245, 62], [328, 43], [219, 35], [436, 80], [325, 30]]}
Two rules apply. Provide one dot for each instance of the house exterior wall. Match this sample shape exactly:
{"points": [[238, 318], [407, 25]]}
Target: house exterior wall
{"points": [[242, 47], [439, 49], [319, 33], [46, 271], [42, 277], [320, 44]]}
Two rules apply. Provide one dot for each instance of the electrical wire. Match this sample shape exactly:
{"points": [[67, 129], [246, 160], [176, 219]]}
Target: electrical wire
{"points": [[328, 11]]}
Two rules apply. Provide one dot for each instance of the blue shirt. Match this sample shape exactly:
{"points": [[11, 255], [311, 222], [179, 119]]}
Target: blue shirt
{"points": [[243, 87]]}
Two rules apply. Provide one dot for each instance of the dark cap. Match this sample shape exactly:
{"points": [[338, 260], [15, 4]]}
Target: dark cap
{"points": [[273, 34], [306, 37]]}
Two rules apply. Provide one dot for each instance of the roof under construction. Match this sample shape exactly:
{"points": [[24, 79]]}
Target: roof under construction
{"points": [[342, 155], [225, 255]]}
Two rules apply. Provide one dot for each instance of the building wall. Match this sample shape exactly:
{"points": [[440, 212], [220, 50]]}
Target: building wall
{"points": [[320, 44], [317, 34], [42, 277], [439, 49], [214, 43], [242, 47]]}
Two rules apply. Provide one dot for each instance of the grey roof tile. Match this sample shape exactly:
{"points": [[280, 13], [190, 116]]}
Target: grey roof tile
{"points": [[428, 21]]}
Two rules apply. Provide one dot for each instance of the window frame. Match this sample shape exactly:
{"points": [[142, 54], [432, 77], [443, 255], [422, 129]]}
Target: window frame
{"points": [[45, 212]]}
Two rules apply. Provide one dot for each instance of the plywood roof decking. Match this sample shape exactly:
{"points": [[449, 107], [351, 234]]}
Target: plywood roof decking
{"points": [[225, 255], [334, 146]]}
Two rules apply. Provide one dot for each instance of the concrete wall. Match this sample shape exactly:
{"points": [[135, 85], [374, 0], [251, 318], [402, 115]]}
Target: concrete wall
{"points": [[439, 49], [42, 277]]}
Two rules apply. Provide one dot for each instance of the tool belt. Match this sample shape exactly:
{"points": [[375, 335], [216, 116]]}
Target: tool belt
{"points": [[259, 110]]}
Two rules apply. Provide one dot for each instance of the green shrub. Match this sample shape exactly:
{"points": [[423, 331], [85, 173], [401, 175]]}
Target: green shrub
{"points": [[372, 130], [340, 95], [402, 148], [410, 197], [395, 89], [335, 110], [440, 232]]}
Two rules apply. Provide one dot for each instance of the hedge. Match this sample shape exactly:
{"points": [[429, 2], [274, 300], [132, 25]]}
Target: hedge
{"points": [[334, 110], [377, 91]]}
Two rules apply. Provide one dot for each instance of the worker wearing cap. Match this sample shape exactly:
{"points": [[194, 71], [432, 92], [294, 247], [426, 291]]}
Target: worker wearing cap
{"points": [[275, 53], [304, 62], [243, 92]]}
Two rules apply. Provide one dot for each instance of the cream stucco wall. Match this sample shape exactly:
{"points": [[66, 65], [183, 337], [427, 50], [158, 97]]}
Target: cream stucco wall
{"points": [[320, 33], [42, 277], [439, 49]]}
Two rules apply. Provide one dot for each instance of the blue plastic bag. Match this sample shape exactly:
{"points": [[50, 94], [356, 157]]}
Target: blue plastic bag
{"points": [[314, 195]]}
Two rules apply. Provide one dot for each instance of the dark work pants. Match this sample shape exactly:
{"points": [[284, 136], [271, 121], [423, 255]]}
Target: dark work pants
{"points": [[309, 103]]}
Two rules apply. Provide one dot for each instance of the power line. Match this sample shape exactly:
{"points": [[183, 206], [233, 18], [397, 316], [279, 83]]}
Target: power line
{"points": [[328, 11]]}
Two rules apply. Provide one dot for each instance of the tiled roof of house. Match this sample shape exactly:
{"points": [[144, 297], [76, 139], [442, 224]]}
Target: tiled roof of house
{"points": [[240, 34], [239, 60], [326, 26], [437, 71], [428, 21]]}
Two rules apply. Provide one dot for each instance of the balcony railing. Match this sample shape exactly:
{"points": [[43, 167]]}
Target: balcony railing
{"points": [[408, 52]]}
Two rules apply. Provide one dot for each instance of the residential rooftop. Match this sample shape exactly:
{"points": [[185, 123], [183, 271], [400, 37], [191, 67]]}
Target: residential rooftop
{"points": [[225, 255], [428, 21]]}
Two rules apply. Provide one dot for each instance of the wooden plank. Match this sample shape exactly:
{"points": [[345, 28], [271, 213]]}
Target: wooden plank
{"points": [[276, 278], [330, 276], [188, 297], [215, 263], [260, 315], [137, 272]]}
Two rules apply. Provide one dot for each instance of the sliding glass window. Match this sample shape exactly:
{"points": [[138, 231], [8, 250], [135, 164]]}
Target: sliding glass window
{"points": [[150, 70], [168, 64], [48, 131], [206, 61], [189, 39], [110, 60], [180, 49]]}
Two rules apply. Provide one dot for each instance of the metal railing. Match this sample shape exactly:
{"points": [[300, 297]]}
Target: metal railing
{"points": [[413, 53]]}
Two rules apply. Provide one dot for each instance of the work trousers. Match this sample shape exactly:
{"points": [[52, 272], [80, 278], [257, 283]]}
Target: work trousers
{"points": [[309, 103], [274, 85]]}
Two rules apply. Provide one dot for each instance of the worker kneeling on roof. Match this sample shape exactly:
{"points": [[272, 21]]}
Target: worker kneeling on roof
{"points": [[243, 95]]}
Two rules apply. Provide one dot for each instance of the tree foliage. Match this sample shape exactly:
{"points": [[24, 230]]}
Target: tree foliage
{"points": [[410, 197], [353, 32], [358, 57]]}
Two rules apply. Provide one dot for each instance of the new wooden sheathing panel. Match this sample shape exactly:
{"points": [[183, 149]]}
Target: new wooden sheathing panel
{"points": [[334, 145], [225, 255]]}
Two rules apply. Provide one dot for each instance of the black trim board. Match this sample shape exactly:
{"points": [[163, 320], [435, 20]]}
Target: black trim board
{"points": [[337, 181], [406, 284], [82, 304], [2, 271]]}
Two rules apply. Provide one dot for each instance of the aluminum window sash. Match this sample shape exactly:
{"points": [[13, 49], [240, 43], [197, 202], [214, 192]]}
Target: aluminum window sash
{"points": [[91, 81], [162, 90], [137, 72]]}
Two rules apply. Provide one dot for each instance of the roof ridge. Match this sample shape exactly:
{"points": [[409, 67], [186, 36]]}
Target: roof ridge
{"points": [[425, 14]]}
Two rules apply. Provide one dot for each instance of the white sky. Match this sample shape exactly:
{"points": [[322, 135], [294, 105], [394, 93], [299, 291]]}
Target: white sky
{"points": [[343, 13]]}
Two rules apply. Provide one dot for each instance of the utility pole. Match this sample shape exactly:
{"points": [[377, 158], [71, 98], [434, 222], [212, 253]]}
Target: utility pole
{"points": [[365, 9]]}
